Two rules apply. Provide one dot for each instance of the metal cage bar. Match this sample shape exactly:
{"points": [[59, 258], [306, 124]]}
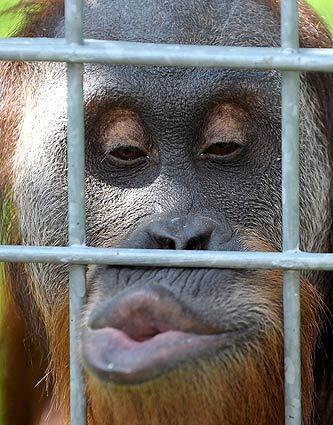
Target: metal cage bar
{"points": [[289, 59], [76, 203], [288, 260], [290, 217], [128, 53]]}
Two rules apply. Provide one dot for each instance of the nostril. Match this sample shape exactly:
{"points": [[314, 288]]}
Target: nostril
{"points": [[197, 243], [185, 233], [164, 242], [181, 241]]}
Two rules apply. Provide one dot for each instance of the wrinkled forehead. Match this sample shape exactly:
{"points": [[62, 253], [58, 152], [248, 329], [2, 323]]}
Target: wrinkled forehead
{"points": [[226, 22]]}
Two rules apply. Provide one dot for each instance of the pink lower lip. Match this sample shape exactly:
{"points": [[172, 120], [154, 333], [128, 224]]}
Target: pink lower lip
{"points": [[113, 356]]}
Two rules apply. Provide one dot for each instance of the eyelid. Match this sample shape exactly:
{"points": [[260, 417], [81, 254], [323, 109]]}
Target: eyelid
{"points": [[127, 143], [240, 141], [210, 151], [111, 155], [120, 146]]}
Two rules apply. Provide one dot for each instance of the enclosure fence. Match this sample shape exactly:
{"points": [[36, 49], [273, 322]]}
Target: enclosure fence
{"points": [[290, 60]]}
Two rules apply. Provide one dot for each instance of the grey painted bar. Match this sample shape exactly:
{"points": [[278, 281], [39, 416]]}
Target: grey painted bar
{"points": [[76, 204], [289, 260], [291, 217], [119, 52]]}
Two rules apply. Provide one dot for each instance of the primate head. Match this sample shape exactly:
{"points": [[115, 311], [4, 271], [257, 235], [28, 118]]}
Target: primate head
{"points": [[176, 158]]}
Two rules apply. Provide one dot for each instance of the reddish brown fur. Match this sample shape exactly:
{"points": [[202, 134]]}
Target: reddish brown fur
{"points": [[24, 364], [126, 407]]}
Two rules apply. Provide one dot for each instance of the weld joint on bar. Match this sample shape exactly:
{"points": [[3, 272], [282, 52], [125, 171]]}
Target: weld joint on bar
{"points": [[72, 44], [293, 251], [290, 51]]}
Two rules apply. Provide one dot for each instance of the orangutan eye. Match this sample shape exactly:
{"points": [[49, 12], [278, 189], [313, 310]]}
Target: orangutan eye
{"points": [[127, 155], [222, 150]]}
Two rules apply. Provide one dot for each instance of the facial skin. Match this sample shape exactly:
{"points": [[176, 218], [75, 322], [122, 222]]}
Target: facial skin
{"points": [[175, 159]]}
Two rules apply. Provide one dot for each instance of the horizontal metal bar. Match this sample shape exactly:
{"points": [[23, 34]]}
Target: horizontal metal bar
{"points": [[120, 52], [290, 260]]}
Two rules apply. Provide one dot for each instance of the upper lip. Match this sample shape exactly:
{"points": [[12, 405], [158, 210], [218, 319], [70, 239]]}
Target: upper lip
{"points": [[145, 311]]}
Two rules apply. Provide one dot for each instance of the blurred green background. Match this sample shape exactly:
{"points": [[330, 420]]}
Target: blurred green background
{"points": [[10, 21], [325, 9]]}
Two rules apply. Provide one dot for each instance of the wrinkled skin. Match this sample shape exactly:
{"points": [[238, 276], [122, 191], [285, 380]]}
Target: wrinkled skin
{"points": [[176, 159]]}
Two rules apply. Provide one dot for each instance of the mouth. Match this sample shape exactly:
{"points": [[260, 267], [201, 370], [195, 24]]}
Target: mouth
{"points": [[145, 332]]}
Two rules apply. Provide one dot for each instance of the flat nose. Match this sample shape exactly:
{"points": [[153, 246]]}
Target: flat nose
{"points": [[187, 233], [180, 233]]}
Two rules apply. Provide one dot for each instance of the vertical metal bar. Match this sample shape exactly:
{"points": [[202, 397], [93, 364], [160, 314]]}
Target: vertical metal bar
{"points": [[291, 217], [76, 203]]}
